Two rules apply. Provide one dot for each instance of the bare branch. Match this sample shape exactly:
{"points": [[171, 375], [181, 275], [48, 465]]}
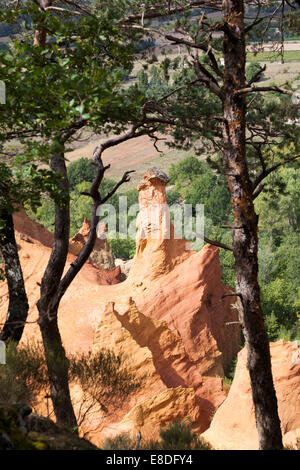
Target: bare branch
{"points": [[79, 7], [164, 11], [214, 242], [252, 25], [131, 133], [253, 89], [258, 191], [256, 77], [84, 254], [64, 10], [124, 179]]}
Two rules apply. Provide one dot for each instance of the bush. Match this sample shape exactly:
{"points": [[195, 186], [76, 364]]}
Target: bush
{"points": [[252, 69], [120, 442], [102, 376], [122, 248], [179, 436], [24, 375]]}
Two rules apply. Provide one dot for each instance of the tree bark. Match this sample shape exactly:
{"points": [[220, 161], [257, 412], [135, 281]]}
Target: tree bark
{"points": [[57, 362], [18, 303], [245, 240]]}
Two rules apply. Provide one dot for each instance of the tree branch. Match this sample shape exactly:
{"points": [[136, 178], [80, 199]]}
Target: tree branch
{"points": [[252, 25], [63, 10], [215, 243], [207, 78], [265, 173], [130, 134], [256, 77], [87, 249], [124, 179], [253, 89], [164, 11]]}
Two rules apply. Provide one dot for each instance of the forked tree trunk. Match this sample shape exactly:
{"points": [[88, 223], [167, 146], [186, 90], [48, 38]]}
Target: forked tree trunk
{"points": [[245, 240], [57, 362], [18, 303]]}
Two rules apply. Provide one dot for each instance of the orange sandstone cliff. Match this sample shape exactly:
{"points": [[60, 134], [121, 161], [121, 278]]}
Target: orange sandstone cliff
{"points": [[169, 319], [233, 426]]}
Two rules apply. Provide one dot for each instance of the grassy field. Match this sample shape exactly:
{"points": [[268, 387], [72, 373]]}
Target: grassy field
{"points": [[268, 56]]}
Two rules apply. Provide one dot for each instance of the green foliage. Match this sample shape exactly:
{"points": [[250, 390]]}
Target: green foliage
{"points": [[173, 197], [279, 252], [120, 442], [22, 183], [81, 207], [54, 91], [196, 183], [79, 171], [229, 373], [11, 435], [122, 248]]}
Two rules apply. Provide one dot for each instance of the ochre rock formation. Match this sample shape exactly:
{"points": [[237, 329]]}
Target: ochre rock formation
{"points": [[108, 277], [169, 318], [102, 255], [33, 230], [155, 354], [125, 266], [30, 230], [160, 410], [233, 426]]}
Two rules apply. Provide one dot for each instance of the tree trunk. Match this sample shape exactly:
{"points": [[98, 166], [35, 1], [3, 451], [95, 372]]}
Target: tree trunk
{"points": [[57, 362], [245, 240], [18, 303]]}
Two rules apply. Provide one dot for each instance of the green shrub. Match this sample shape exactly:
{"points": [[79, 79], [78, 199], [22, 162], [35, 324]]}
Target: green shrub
{"points": [[252, 69], [178, 435], [122, 248]]}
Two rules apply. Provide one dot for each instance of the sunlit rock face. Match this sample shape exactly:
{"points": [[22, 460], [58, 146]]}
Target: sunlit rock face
{"points": [[170, 319], [233, 426]]}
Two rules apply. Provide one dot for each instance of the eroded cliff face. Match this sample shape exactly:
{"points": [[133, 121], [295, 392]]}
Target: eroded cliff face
{"points": [[233, 426], [169, 319], [27, 227]]}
